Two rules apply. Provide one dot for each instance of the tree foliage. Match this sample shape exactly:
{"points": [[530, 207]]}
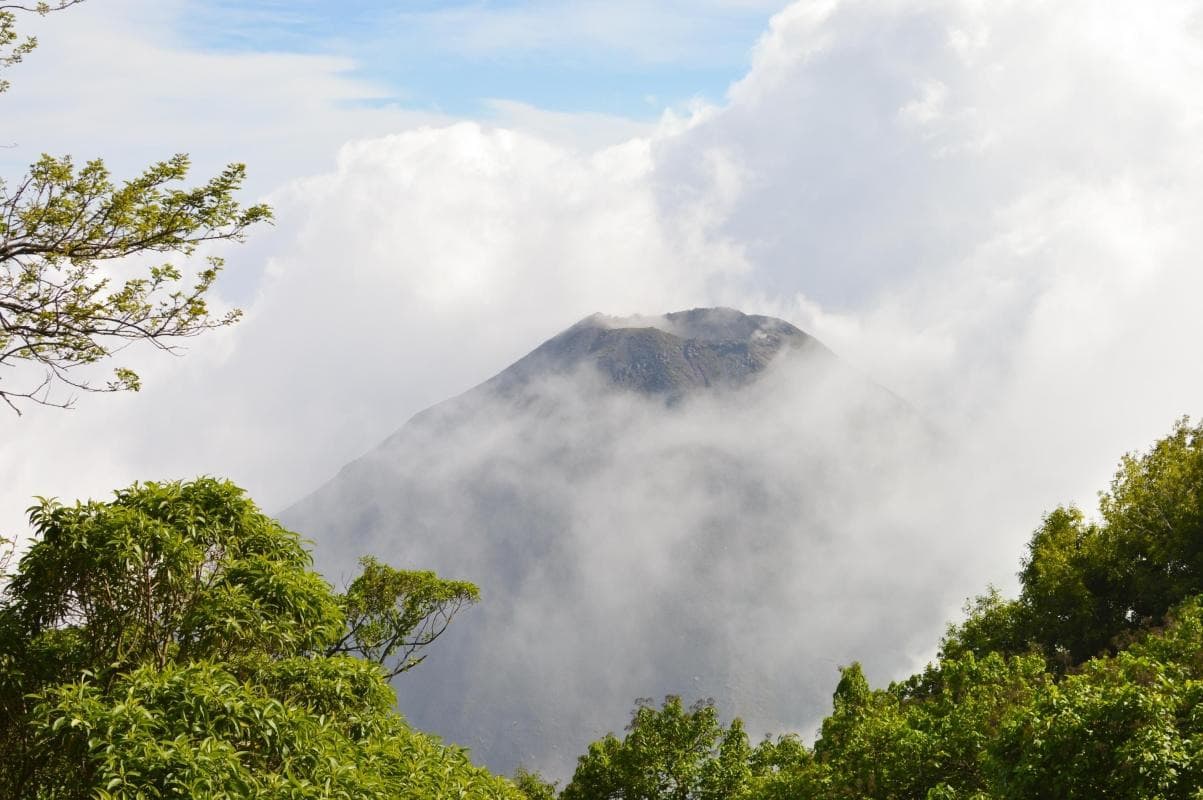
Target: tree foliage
{"points": [[1088, 685], [1087, 587], [75, 284], [13, 46], [174, 642], [59, 311], [533, 785], [391, 614], [678, 753]]}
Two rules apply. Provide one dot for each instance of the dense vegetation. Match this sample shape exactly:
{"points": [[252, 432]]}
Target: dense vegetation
{"points": [[175, 643], [1088, 685]]}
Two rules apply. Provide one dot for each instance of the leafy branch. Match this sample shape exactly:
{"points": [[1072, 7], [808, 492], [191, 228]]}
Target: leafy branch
{"points": [[392, 613], [12, 46], [61, 311]]}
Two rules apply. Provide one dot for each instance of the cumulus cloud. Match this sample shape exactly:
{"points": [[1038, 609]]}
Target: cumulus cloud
{"points": [[987, 208]]}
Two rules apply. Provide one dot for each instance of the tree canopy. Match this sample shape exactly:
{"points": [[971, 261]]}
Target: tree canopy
{"points": [[678, 753], [1088, 685], [174, 642]]}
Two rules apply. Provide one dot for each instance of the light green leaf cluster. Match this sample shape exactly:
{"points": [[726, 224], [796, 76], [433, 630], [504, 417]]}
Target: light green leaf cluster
{"points": [[1088, 685], [680, 753], [391, 614], [59, 311], [294, 729], [174, 642]]}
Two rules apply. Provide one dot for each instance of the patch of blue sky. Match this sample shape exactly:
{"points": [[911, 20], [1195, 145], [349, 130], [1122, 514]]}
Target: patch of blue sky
{"points": [[629, 58]]}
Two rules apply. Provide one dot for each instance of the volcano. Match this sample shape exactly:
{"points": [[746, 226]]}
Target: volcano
{"points": [[704, 503]]}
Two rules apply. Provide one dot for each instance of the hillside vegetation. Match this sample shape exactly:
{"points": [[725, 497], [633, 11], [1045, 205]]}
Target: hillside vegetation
{"points": [[175, 643], [1088, 685]]}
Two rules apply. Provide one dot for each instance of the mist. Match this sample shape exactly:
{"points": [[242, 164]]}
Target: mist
{"points": [[736, 544]]}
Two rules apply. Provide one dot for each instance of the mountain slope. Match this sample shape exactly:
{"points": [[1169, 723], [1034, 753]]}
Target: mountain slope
{"points": [[696, 503]]}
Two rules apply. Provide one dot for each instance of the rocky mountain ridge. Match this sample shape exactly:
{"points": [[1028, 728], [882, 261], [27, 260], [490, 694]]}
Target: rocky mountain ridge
{"points": [[669, 355]]}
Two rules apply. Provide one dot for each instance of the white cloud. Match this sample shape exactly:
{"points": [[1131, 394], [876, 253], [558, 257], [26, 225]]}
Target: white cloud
{"points": [[574, 130], [111, 79], [1016, 253], [425, 261]]}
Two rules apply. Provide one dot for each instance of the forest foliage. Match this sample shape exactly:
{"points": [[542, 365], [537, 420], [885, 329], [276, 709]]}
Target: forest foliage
{"points": [[175, 642], [1089, 684]]}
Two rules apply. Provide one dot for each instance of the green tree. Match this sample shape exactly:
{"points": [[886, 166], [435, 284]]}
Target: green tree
{"points": [[992, 624], [391, 614], [784, 769], [669, 753], [175, 643], [74, 288], [1124, 726], [1074, 600], [533, 785], [1086, 586], [1153, 515], [865, 746]]}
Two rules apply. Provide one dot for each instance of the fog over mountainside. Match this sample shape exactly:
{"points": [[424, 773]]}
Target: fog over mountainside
{"points": [[705, 503]]}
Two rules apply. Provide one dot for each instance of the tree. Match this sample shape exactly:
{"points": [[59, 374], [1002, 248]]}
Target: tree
{"points": [[533, 785], [992, 624], [1153, 518], [175, 643], [1087, 586], [73, 287], [1073, 600], [1125, 726], [391, 614], [670, 753]]}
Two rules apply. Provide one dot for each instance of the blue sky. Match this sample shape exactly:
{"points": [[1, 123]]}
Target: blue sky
{"points": [[624, 58]]}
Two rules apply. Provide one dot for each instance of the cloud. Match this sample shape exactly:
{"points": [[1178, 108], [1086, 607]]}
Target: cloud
{"points": [[112, 79], [986, 207], [424, 261], [990, 208]]}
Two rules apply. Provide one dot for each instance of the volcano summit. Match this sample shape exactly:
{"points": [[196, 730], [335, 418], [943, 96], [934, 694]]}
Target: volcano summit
{"points": [[704, 503]]}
